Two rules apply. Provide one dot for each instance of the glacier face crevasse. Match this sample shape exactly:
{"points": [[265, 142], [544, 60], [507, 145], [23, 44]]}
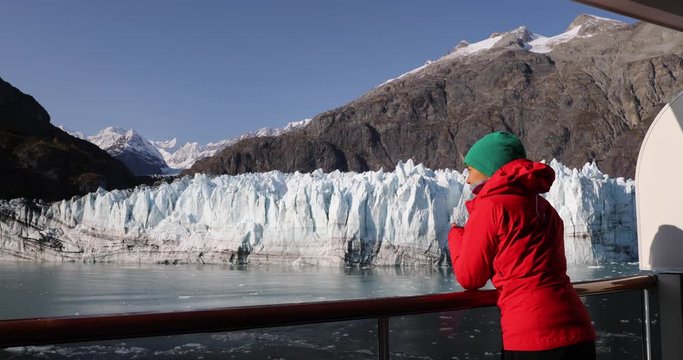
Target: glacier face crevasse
{"points": [[372, 218]]}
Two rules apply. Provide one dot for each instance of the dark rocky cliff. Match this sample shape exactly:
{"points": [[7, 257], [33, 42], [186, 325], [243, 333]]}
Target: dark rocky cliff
{"points": [[590, 99], [38, 160]]}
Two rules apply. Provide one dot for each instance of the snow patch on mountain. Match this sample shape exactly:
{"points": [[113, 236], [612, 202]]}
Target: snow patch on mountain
{"points": [[464, 48], [76, 134], [542, 44]]}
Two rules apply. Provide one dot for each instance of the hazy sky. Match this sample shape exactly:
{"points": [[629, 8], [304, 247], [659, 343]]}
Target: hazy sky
{"points": [[209, 70]]}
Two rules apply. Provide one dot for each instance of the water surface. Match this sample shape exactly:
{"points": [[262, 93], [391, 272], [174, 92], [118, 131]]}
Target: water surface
{"points": [[61, 289]]}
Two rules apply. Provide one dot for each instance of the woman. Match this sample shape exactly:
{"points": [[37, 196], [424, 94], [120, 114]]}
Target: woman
{"points": [[515, 238]]}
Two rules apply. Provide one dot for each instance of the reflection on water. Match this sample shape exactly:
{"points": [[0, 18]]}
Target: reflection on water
{"points": [[44, 289]]}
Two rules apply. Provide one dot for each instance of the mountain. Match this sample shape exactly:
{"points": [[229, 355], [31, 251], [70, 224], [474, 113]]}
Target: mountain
{"points": [[395, 218], [588, 94], [184, 156], [144, 157], [39, 160], [139, 154]]}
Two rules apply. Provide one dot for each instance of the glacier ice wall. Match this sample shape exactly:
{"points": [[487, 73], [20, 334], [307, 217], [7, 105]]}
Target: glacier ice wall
{"points": [[372, 218]]}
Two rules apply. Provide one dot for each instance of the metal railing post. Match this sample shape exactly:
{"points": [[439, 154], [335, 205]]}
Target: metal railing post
{"points": [[383, 337], [647, 333]]}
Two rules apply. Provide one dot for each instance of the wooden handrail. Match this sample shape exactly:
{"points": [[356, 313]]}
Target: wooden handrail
{"points": [[41, 331], [607, 286]]}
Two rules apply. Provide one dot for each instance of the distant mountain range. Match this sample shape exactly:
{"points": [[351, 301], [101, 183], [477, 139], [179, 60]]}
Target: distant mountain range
{"points": [[184, 156], [588, 94], [144, 157]]}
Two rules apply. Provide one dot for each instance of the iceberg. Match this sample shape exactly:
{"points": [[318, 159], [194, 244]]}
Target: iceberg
{"points": [[397, 218]]}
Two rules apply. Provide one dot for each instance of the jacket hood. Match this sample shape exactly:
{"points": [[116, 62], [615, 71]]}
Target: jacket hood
{"points": [[523, 177]]}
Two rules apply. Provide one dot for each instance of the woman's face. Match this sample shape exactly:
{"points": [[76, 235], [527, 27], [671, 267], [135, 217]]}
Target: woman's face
{"points": [[474, 176]]}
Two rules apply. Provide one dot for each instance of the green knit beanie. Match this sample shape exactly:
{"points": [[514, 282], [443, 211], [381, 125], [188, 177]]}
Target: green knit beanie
{"points": [[493, 151]]}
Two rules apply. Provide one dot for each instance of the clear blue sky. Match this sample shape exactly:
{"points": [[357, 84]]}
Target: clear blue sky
{"points": [[209, 70]]}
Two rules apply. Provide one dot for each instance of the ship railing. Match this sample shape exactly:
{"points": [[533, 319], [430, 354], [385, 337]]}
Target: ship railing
{"points": [[73, 329]]}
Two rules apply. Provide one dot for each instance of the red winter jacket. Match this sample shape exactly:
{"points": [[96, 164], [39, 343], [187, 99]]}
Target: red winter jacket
{"points": [[515, 238]]}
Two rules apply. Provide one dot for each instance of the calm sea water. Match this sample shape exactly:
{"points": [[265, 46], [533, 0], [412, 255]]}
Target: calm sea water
{"points": [[51, 289]]}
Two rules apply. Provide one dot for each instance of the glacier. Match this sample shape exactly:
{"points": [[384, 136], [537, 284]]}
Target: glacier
{"points": [[386, 218]]}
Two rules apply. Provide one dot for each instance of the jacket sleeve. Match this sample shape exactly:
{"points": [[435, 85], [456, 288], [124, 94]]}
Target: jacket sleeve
{"points": [[473, 247]]}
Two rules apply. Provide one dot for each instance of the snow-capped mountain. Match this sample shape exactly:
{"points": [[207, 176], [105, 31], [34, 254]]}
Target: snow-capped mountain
{"points": [[371, 218], [583, 27], [138, 153], [184, 156], [166, 157]]}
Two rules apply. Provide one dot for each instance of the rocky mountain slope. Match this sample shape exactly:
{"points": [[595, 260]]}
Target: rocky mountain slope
{"points": [[38, 160], [588, 94]]}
